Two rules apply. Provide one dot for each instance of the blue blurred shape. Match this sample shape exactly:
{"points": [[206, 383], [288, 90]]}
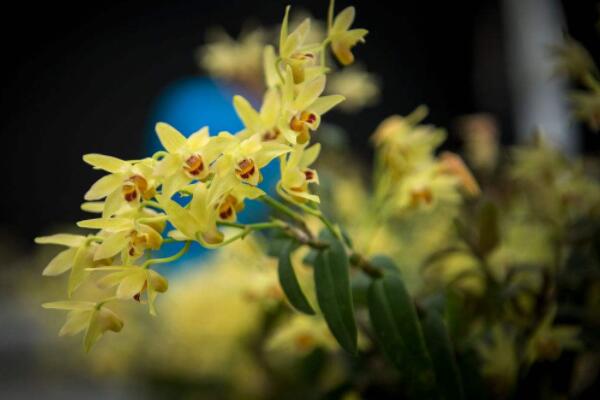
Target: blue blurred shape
{"points": [[188, 105]]}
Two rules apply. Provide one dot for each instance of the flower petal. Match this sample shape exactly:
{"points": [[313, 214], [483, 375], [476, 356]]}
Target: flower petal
{"points": [[112, 245], [63, 239], [132, 284], [323, 104], [106, 223], [104, 186], [171, 139], [76, 322], [343, 20], [60, 263], [309, 92], [69, 305], [246, 112], [107, 163]]}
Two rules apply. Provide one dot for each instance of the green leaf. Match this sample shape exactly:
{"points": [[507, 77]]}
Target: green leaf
{"points": [[398, 331], [489, 237], [332, 283], [442, 355], [289, 281]]}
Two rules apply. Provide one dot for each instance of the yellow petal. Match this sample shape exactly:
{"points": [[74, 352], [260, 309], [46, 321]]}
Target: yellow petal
{"points": [[283, 34], [344, 20], [111, 279], [171, 139], [95, 207], [83, 259], [112, 245], [60, 263], [175, 183], [269, 112], [310, 155], [198, 139], [69, 305], [132, 284], [323, 104], [246, 112], [179, 217], [106, 223], [63, 239], [168, 166], [107, 163], [270, 151], [113, 203], [76, 322], [309, 92], [103, 187], [270, 67], [250, 192]]}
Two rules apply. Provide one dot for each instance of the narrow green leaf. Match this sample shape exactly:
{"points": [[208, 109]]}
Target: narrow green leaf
{"points": [[398, 330], [289, 281], [442, 355], [332, 282]]}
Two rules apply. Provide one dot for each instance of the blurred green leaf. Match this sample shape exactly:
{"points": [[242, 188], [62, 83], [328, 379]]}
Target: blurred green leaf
{"points": [[332, 282], [442, 355], [289, 281], [398, 330], [489, 236]]}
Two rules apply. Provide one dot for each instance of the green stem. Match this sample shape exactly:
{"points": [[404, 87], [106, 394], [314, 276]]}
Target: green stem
{"points": [[282, 208], [172, 258]]}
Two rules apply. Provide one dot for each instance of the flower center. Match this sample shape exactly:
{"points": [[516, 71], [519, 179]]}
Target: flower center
{"points": [[133, 187], [194, 165], [271, 134], [421, 196], [228, 207], [245, 168]]}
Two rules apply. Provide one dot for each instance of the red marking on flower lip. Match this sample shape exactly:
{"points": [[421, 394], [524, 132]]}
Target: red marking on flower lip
{"points": [[308, 174], [194, 165], [311, 118], [136, 297], [245, 168]]}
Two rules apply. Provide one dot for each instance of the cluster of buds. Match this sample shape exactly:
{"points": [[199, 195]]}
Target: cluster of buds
{"points": [[199, 183]]}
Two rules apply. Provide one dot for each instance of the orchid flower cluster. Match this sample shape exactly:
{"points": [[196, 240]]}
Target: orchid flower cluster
{"points": [[200, 183]]}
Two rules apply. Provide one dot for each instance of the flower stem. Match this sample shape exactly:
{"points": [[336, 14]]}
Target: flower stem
{"points": [[172, 258]]}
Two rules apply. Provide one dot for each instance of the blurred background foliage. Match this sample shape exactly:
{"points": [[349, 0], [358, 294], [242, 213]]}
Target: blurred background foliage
{"points": [[514, 271]]}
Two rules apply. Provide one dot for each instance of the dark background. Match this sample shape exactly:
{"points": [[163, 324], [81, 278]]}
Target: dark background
{"points": [[83, 77]]}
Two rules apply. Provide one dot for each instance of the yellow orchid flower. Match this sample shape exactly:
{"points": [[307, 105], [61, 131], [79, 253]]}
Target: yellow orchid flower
{"points": [[295, 174], [232, 202], [123, 235], [188, 158], [425, 188], [404, 144], [246, 159], [132, 281], [303, 107], [198, 222], [263, 122], [295, 54], [127, 183], [88, 316], [343, 38]]}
